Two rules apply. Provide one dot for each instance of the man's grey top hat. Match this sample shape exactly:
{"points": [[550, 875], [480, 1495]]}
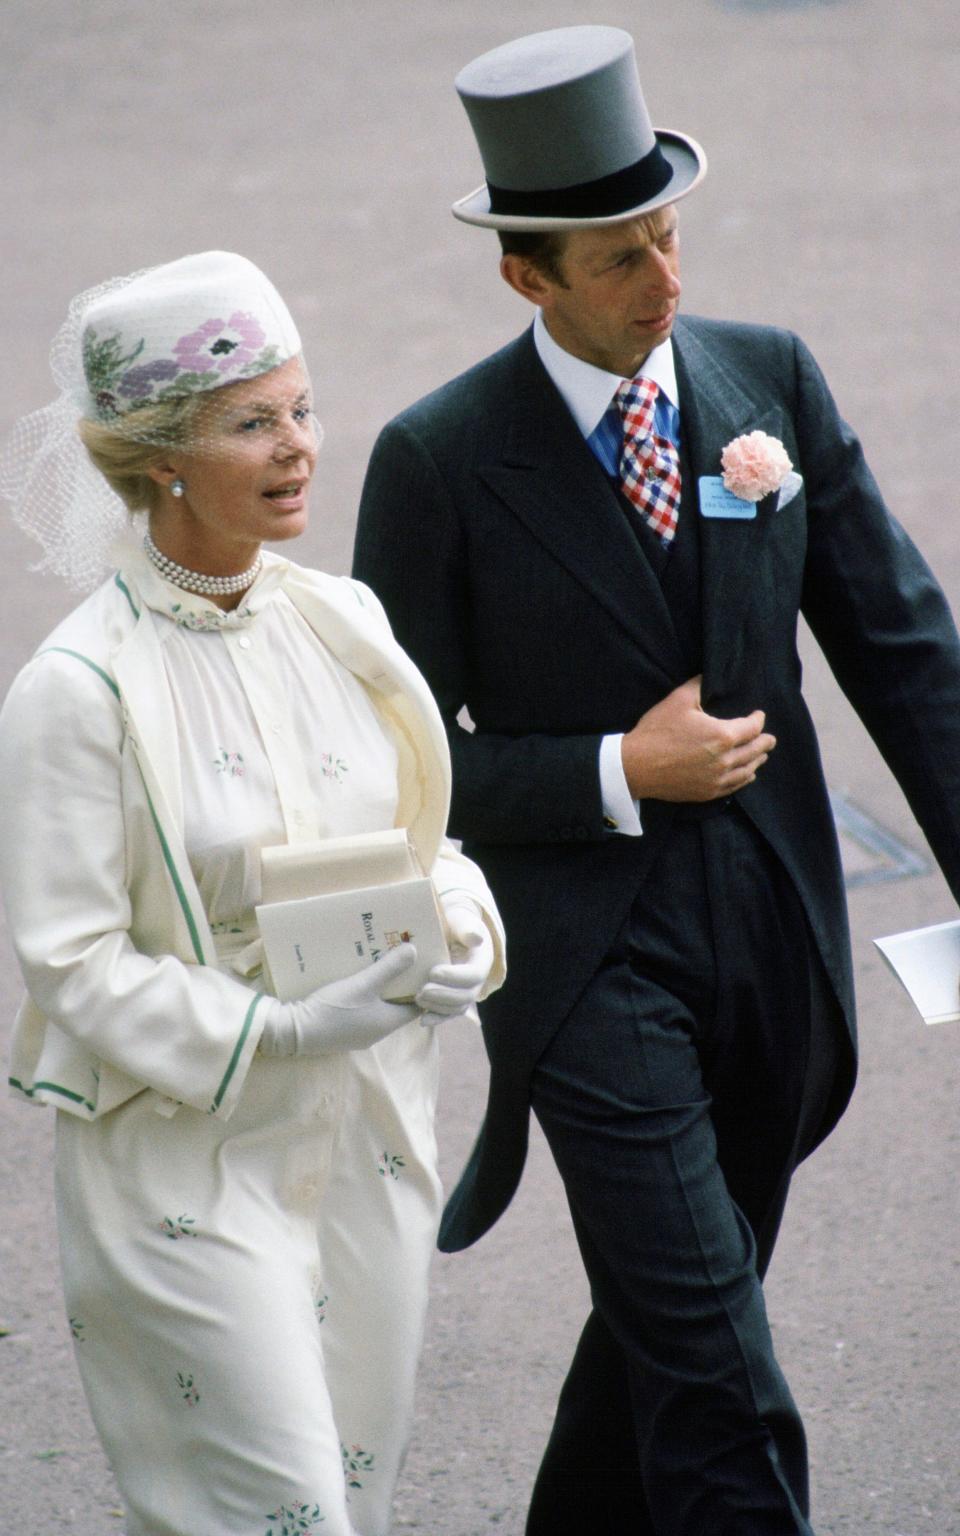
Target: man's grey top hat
{"points": [[565, 135]]}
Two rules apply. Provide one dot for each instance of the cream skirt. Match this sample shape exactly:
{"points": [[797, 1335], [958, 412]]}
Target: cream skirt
{"points": [[248, 1296]]}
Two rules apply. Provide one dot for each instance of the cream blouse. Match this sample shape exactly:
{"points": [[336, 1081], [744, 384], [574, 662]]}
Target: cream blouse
{"points": [[278, 741]]}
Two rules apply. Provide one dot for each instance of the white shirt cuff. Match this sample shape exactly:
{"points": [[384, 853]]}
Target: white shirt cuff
{"points": [[620, 811]]}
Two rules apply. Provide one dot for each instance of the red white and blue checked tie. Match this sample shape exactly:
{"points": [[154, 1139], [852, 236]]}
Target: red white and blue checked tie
{"points": [[649, 465]]}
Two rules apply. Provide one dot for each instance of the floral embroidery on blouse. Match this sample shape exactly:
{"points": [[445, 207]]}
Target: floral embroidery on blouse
{"points": [[388, 1163], [230, 763], [77, 1330], [320, 1306], [356, 1460], [209, 619], [291, 1520], [188, 1391], [182, 1226], [333, 767]]}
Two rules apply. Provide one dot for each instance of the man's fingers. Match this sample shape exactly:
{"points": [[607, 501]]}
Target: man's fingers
{"points": [[753, 750], [678, 751], [739, 777], [746, 729]]}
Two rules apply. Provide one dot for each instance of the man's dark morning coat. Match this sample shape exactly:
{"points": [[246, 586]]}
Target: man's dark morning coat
{"points": [[511, 574]]}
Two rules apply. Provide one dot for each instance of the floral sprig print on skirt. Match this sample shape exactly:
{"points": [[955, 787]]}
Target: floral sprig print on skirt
{"points": [[177, 1227], [188, 1390], [292, 1520], [355, 1461], [389, 1164], [230, 763]]}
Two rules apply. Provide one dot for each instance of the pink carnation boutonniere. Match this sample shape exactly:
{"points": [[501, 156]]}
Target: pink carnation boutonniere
{"points": [[754, 464]]}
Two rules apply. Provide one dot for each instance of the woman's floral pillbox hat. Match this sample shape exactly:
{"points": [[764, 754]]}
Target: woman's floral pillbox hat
{"points": [[181, 329]]}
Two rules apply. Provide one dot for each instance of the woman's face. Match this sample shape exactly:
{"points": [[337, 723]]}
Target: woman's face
{"points": [[247, 472]]}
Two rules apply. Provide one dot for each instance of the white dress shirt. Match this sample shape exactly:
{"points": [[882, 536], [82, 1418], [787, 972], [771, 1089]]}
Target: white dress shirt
{"points": [[588, 392]]}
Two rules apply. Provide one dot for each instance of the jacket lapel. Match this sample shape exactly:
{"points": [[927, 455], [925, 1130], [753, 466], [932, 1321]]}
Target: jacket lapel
{"points": [[713, 409], [550, 480], [152, 734], [150, 720]]}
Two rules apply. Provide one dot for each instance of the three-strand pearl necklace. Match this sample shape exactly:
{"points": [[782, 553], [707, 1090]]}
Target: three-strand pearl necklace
{"points": [[195, 581]]}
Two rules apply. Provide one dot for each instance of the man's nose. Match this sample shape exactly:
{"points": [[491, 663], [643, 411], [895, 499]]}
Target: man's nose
{"points": [[661, 276]]}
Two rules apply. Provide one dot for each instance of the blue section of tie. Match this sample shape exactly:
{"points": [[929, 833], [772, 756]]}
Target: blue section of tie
{"points": [[607, 436]]}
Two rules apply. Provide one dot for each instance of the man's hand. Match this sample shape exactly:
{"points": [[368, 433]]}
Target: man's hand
{"points": [[678, 752]]}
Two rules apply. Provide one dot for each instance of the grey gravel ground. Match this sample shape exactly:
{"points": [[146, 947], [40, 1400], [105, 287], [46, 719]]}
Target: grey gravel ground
{"points": [[326, 142]]}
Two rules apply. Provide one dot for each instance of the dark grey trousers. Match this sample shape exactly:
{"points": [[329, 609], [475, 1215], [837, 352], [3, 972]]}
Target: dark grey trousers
{"points": [[677, 1098]]}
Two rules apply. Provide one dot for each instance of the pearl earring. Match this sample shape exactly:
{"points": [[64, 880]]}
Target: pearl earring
{"points": [[177, 487]]}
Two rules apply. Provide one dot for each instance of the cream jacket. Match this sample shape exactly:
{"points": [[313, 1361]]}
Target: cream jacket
{"points": [[123, 986]]}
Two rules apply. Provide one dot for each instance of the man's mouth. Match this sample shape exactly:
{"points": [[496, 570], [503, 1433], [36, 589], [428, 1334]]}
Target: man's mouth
{"points": [[656, 322]]}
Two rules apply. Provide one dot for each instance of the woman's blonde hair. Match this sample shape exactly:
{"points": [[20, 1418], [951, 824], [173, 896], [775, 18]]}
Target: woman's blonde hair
{"points": [[124, 451]]}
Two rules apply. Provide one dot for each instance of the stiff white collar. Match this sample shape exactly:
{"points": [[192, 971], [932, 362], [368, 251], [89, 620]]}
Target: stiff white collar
{"points": [[588, 390]]}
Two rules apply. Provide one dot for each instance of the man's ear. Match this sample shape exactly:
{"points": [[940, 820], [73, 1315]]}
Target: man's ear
{"points": [[525, 278]]}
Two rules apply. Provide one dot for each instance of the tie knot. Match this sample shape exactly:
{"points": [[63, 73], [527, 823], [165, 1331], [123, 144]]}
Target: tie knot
{"points": [[636, 402]]}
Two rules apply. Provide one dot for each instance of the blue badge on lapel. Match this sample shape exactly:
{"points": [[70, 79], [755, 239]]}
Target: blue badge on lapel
{"points": [[717, 501]]}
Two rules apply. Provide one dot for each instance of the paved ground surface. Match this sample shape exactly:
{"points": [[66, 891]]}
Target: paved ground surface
{"points": [[326, 142]]}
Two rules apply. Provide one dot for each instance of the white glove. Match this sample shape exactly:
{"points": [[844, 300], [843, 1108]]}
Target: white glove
{"points": [[451, 989], [346, 1015]]}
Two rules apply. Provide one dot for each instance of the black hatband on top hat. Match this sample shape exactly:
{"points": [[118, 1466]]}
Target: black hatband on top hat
{"points": [[607, 195]]}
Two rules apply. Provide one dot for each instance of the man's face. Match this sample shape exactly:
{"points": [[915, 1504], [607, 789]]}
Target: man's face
{"points": [[621, 294]]}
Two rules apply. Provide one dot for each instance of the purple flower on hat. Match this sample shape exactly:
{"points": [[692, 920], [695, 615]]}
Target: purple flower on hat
{"points": [[193, 351], [251, 336], [226, 345], [137, 383]]}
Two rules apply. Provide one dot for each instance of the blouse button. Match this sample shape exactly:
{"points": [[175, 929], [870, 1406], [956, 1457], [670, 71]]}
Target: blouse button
{"points": [[244, 643]]}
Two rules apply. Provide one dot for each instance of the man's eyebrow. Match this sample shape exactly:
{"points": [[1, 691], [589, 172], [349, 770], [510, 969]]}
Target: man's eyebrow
{"points": [[669, 228], [607, 258]]}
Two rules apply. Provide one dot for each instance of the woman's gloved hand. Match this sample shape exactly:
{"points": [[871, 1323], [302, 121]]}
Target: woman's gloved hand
{"points": [[451, 989], [346, 1015]]}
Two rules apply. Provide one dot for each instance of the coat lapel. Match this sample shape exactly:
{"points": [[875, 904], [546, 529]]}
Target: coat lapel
{"points": [[151, 728], [549, 478], [713, 409], [151, 723]]}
